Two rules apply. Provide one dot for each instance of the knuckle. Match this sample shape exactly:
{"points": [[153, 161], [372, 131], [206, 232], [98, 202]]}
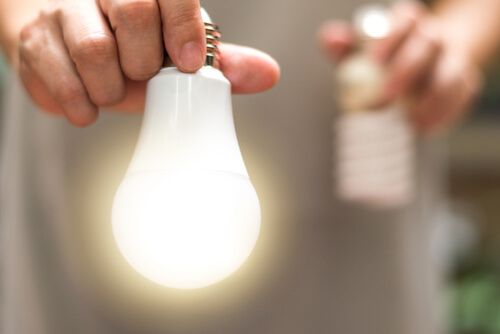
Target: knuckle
{"points": [[94, 49], [30, 35], [68, 92], [185, 15], [24, 51], [27, 32], [107, 99], [139, 71], [34, 41], [137, 14]]}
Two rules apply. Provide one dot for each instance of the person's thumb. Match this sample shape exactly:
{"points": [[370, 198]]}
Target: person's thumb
{"points": [[183, 33]]}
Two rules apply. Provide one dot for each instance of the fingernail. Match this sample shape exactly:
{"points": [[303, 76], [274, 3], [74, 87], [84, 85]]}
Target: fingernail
{"points": [[191, 56]]}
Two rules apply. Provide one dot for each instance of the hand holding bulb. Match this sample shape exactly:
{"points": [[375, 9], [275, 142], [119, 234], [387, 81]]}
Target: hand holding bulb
{"points": [[374, 145], [76, 57], [437, 80], [386, 78]]}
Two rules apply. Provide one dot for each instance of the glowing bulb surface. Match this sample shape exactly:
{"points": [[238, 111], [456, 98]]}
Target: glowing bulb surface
{"points": [[372, 21], [186, 214]]}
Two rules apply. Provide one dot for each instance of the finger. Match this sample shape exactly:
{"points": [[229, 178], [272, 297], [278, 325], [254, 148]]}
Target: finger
{"points": [[92, 47], [43, 52], [135, 98], [183, 33], [336, 39], [412, 62], [249, 70], [137, 27], [37, 90], [433, 125], [406, 15], [435, 104], [449, 92]]}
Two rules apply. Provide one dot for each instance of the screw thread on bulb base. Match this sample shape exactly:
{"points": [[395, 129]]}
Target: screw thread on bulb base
{"points": [[212, 38]]}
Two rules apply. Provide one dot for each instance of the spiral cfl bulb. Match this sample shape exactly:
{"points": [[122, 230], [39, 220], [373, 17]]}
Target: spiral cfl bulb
{"points": [[375, 157], [186, 214]]}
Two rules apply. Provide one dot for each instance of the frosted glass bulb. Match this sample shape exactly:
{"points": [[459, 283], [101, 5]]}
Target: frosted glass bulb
{"points": [[186, 214]]}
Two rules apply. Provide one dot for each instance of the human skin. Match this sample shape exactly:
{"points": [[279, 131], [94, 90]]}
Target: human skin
{"points": [[433, 56], [75, 57]]}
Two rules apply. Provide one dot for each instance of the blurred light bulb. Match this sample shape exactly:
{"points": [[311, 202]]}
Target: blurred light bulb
{"points": [[186, 214], [372, 21], [374, 145]]}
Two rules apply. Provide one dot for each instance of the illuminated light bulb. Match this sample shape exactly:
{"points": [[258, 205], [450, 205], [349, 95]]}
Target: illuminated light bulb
{"points": [[375, 158], [371, 21], [186, 214]]}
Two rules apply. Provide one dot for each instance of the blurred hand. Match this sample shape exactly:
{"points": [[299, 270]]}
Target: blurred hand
{"points": [[438, 81], [80, 55]]}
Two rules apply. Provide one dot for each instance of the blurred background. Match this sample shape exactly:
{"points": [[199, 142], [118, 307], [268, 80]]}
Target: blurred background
{"points": [[473, 289], [469, 230], [468, 234]]}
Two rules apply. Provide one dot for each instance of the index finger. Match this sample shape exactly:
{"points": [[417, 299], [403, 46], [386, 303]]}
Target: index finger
{"points": [[184, 33], [406, 15], [337, 39]]}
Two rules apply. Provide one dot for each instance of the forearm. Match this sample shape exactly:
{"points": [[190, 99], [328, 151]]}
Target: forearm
{"points": [[13, 16], [471, 27]]}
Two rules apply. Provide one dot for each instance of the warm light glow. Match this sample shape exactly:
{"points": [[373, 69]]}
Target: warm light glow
{"points": [[376, 25], [186, 214], [372, 21], [186, 229]]}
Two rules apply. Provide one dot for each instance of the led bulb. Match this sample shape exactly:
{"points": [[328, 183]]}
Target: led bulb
{"points": [[186, 214]]}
